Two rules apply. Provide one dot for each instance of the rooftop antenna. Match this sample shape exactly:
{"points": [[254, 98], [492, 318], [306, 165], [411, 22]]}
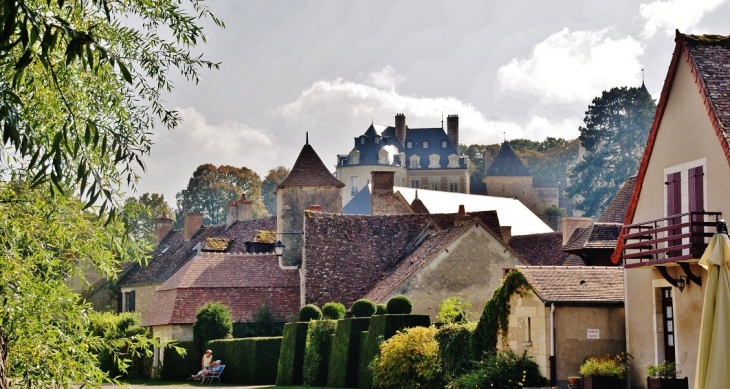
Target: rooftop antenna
{"points": [[505, 136], [442, 120], [642, 78], [307, 137]]}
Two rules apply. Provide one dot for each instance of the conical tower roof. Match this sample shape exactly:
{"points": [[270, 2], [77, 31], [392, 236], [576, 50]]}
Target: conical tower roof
{"points": [[309, 170], [507, 164]]}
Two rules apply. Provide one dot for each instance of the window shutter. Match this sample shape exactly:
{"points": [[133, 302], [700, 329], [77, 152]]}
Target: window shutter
{"points": [[696, 189], [674, 207]]}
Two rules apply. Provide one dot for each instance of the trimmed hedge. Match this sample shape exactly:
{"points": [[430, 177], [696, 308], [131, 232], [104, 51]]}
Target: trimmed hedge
{"points": [[382, 328], [333, 311], [381, 309], [345, 356], [248, 361], [310, 312], [257, 330], [317, 355], [363, 308], [291, 357], [399, 305], [177, 367]]}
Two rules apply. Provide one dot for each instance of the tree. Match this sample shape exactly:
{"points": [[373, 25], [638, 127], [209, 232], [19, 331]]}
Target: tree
{"points": [[141, 214], [80, 92], [273, 178], [212, 321], [211, 189], [616, 127]]}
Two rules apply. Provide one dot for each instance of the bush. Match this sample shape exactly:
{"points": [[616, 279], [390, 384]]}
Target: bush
{"points": [[114, 328], [333, 311], [179, 367], [213, 321], [616, 366], [249, 361], [381, 309], [345, 354], [662, 370], [454, 310], [317, 353], [310, 312], [363, 308], [409, 360], [503, 369], [291, 358], [399, 305], [455, 348]]}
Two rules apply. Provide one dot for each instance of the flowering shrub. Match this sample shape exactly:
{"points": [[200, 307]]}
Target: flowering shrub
{"points": [[408, 360], [662, 370], [606, 366], [503, 369]]}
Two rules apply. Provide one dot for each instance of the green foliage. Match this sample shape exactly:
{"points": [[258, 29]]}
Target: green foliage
{"points": [[663, 370], [291, 358], [212, 321], [454, 310], [310, 312], [616, 128], [141, 214], [116, 329], [554, 211], [249, 361], [363, 308], [494, 320], [333, 310], [399, 305], [456, 348], [343, 365], [609, 365], [381, 309], [317, 353], [265, 323], [211, 189], [179, 366], [409, 360], [505, 370], [272, 180]]}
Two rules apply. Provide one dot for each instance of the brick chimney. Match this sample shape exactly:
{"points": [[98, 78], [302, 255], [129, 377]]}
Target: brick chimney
{"points": [[462, 217], [506, 233], [452, 129], [163, 226], [232, 213], [570, 224], [193, 222], [245, 208], [400, 128], [315, 208], [382, 182]]}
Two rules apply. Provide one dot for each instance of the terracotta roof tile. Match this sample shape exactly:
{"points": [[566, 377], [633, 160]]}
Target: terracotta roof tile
{"points": [[572, 284], [595, 236], [711, 57], [615, 212], [309, 170], [540, 249]]}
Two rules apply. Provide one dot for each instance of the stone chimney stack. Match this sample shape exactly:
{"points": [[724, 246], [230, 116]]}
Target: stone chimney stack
{"points": [[193, 222], [452, 129], [245, 208], [163, 226], [232, 213], [570, 224], [462, 217], [506, 233], [315, 208], [400, 128], [382, 182]]}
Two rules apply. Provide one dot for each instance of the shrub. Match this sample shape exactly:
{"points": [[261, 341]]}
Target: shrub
{"points": [[454, 310], [616, 366], [381, 309], [409, 360], [399, 305], [291, 358], [213, 321], [455, 348], [310, 312], [249, 361], [317, 352], [662, 370], [503, 369], [115, 328], [363, 308], [333, 310], [178, 367]]}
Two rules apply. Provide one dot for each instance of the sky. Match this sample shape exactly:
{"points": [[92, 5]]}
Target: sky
{"points": [[509, 69]]}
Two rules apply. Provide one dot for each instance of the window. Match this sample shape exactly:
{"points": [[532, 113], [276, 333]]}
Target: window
{"points": [[353, 186], [362, 140], [409, 144], [383, 157], [415, 162], [414, 183], [354, 157], [434, 161], [453, 186], [444, 144], [377, 140], [453, 161], [425, 144], [129, 301], [434, 186]]}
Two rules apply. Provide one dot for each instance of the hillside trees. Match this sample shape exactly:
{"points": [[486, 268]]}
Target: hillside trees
{"points": [[211, 189], [616, 127], [272, 180], [81, 90]]}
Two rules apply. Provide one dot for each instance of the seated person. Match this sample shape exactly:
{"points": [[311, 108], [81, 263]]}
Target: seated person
{"points": [[216, 366]]}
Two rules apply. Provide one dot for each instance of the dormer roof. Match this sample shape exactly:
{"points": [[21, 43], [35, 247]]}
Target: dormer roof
{"points": [[309, 170], [507, 164]]}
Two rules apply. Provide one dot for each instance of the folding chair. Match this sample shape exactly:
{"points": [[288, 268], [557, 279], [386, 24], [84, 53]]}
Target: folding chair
{"points": [[215, 375]]}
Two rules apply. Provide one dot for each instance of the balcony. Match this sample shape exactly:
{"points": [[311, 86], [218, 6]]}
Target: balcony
{"points": [[678, 238]]}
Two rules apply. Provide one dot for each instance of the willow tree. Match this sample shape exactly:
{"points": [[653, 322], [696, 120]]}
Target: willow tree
{"points": [[81, 89]]}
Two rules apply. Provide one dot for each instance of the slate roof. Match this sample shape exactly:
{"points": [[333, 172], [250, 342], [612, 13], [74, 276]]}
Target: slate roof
{"points": [[576, 284], [615, 212], [595, 236], [173, 252], [240, 281], [507, 164], [309, 170], [540, 249]]}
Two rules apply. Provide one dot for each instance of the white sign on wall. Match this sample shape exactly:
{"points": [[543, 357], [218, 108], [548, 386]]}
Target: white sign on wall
{"points": [[594, 333]]}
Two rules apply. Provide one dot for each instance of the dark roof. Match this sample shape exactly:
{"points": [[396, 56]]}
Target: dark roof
{"points": [[540, 249], [615, 212], [309, 170], [435, 138], [507, 164], [571, 284], [173, 252], [243, 282], [417, 205], [596, 236]]}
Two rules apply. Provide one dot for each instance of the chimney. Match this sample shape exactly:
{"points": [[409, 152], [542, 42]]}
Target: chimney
{"points": [[232, 213], [462, 217], [193, 222], [452, 129], [506, 233], [245, 208], [570, 224], [315, 208], [400, 128], [163, 226], [382, 182]]}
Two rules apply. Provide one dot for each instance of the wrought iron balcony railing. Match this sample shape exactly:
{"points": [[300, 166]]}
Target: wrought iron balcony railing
{"points": [[675, 238]]}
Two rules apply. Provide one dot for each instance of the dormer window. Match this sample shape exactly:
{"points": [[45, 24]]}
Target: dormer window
{"points": [[433, 161], [425, 144], [354, 157], [377, 140], [409, 144], [444, 144], [362, 140], [453, 161], [415, 162]]}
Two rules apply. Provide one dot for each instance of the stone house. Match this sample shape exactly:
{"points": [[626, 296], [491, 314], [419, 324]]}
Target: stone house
{"points": [[681, 190]]}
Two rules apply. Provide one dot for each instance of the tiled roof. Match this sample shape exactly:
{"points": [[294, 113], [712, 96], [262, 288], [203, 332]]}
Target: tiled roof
{"points": [[309, 170], [418, 206], [240, 281], [540, 249], [595, 236], [574, 260], [615, 212], [173, 252], [575, 284], [507, 163]]}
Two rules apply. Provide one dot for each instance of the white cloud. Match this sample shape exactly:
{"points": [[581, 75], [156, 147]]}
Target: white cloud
{"points": [[574, 66], [669, 15], [384, 79]]}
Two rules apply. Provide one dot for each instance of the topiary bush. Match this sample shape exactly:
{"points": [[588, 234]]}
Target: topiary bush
{"points": [[363, 308], [333, 310], [409, 360], [310, 312], [380, 309], [503, 369], [399, 305], [213, 321], [317, 353]]}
